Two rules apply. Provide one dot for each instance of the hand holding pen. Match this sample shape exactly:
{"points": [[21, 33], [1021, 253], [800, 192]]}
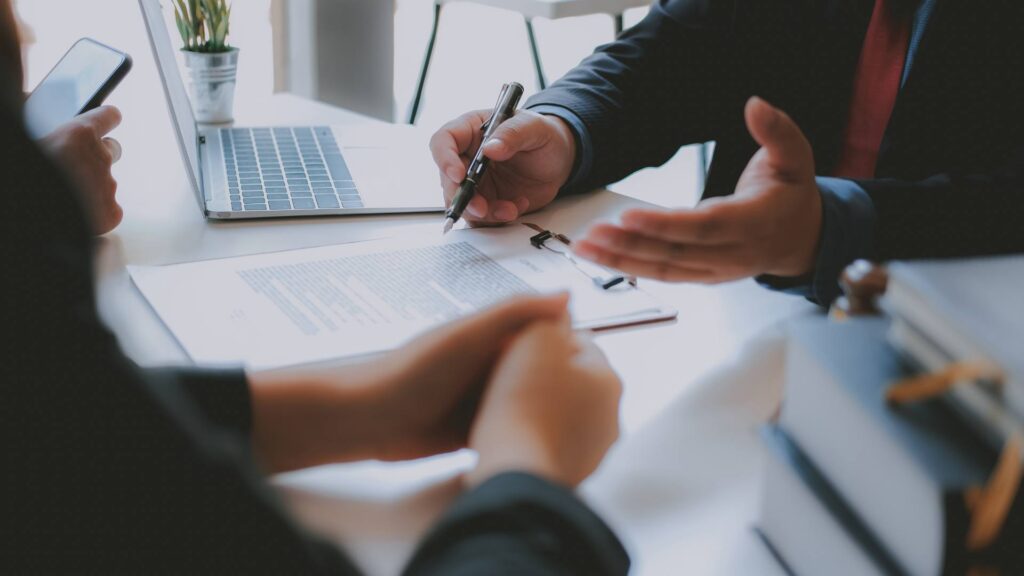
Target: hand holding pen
{"points": [[531, 158], [504, 109]]}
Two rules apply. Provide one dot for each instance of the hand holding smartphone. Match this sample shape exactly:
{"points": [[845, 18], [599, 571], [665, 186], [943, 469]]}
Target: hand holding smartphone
{"points": [[80, 82]]}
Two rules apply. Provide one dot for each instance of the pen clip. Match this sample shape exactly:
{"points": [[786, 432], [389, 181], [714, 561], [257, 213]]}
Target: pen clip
{"points": [[497, 108]]}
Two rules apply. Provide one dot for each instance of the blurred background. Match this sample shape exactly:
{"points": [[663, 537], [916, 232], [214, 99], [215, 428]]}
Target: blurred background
{"points": [[366, 55]]}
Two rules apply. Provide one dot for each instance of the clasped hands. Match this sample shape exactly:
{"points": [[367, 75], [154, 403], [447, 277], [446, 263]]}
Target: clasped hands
{"points": [[771, 225], [514, 383]]}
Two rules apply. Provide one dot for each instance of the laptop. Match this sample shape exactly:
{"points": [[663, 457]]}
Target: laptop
{"points": [[281, 171]]}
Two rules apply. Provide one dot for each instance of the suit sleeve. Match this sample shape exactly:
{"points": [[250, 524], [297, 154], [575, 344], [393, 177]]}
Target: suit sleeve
{"points": [[520, 524], [660, 86], [222, 395], [943, 216], [948, 215], [847, 232], [120, 470]]}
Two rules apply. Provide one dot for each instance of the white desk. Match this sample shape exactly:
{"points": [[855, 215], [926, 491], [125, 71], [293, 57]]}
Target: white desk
{"points": [[681, 486]]}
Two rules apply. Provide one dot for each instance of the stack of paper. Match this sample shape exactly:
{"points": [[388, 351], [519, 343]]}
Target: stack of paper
{"points": [[319, 304]]}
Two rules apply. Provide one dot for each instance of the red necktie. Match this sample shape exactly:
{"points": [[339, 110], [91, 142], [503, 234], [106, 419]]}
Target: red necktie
{"points": [[875, 88]]}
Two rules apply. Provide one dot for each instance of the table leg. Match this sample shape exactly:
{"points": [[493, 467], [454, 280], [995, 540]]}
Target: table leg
{"points": [[426, 65], [619, 26], [541, 81]]}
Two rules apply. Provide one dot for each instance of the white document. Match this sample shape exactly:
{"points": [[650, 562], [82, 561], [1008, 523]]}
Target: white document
{"points": [[303, 306]]}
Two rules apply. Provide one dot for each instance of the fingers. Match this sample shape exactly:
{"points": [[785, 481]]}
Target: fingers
{"points": [[455, 139], [564, 332], [518, 312], [102, 120], [547, 336], [478, 207], [710, 223], [523, 132], [591, 356], [449, 146], [503, 210], [663, 270], [514, 184], [114, 148], [484, 210], [495, 325], [788, 151], [105, 222], [722, 239], [616, 240], [522, 204]]}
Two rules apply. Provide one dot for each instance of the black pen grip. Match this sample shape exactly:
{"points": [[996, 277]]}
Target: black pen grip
{"points": [[461, 199]]}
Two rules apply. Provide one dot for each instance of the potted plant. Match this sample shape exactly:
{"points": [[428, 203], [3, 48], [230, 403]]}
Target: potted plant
{"points": [[212, 63]]}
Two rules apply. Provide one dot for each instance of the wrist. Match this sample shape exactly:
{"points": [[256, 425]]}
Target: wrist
{"points": [[569, 142], [799, 261], [303, 420], [526, 454], [574, 130]]}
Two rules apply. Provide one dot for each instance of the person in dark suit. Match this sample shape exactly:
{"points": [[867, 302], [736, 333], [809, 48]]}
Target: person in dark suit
{"points": [[900, 137], [115, 469]]}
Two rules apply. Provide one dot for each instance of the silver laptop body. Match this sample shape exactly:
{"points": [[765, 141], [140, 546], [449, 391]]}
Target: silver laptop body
{"points": [[268, 172]]}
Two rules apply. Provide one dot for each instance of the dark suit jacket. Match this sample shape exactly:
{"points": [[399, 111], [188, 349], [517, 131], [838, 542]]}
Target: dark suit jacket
{"points": [[949, 178], [109, 468]]}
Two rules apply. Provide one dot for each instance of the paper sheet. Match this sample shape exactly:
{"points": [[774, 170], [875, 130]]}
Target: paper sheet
{"points": [[304, 306]]}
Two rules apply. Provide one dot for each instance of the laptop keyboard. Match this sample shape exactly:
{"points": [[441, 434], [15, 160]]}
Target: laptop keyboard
{"points": [[286, 169]]}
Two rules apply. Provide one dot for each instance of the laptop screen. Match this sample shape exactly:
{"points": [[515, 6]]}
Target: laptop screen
{"points": [[174, 88]]}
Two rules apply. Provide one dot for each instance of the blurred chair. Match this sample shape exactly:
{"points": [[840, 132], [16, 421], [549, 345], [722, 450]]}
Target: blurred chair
{"points": [[530, 9]]}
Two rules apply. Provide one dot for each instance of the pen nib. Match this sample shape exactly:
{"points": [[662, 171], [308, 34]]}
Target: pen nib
{"points": [[448, 226]]}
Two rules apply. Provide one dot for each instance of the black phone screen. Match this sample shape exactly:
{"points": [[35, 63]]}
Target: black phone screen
{"points": [[76, 84]]}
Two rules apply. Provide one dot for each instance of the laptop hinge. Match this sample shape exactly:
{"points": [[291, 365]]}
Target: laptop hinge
{"points": [[201, 176]]}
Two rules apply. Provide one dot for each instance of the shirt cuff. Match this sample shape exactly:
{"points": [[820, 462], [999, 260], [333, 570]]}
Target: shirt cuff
{"points": [[584, 146], [847, 233]]}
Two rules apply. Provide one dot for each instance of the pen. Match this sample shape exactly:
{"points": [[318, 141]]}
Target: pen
{"points": [[504, 109]]}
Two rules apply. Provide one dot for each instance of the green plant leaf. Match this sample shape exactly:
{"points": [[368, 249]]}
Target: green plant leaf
{"points": [[204, 25], [182, 29], [181, 19], [222, 32], [186, 38], [181, 11]]}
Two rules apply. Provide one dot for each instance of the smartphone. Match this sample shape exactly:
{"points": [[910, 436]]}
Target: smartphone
{"points": [[81, 81]]}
